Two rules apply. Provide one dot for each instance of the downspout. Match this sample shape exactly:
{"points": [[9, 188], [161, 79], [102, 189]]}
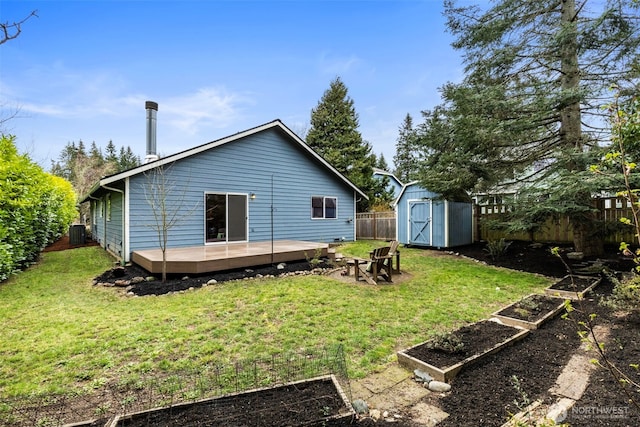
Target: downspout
{"points": [[124, 254]]}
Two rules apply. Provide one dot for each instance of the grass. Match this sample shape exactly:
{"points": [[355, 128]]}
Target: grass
{"points": [[60, 334]]}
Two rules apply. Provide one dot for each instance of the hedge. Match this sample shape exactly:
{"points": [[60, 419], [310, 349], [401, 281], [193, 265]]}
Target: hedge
{"points": [[36, 208]]}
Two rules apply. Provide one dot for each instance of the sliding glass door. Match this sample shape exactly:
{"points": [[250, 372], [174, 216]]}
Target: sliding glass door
{"points": [[225, 217]]}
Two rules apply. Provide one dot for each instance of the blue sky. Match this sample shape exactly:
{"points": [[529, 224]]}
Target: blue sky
{"points": [[82, 70]]}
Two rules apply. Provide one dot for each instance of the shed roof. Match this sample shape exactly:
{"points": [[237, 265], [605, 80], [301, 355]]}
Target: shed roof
{"points": [[275, 124]]}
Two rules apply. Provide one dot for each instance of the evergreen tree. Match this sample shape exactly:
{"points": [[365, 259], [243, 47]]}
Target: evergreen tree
{"points": [[536, 71], [382, 163], [127, 159], [334, 135], [110, 153], [83, 170], [95, 155], [406, 158]]}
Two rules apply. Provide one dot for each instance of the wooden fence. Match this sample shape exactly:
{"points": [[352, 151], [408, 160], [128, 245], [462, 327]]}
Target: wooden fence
{"points": [[376, 225], [382, 225], [609, 209]]}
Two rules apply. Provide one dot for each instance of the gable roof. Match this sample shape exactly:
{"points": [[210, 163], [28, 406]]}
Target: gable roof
{"points": [[378, 171], [275, 124]]}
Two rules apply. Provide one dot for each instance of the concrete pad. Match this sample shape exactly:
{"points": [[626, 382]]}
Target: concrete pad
{"points": [[573, 380], [427, 415], [398, 397], [386, 379]]}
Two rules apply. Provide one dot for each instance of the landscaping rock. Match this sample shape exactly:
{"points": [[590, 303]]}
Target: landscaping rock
{"points": [[375, 414], [122, 283], [137, 279], [439, 387], [212, 282], [576, 256], [281, 266], [422, 377], [360, 406]]}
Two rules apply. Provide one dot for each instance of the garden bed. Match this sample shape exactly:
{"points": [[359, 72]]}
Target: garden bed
{"points": [[443, 357], [314, 402], [531, 311], [573, 287]]}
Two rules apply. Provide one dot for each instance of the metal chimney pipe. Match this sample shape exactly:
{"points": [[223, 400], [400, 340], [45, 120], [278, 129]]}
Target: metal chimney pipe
{"points": [[152, 117]]}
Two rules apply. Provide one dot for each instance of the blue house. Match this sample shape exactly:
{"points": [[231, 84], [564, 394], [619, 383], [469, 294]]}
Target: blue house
{"points": [[260, 185], [394, 183], [424, 218]]}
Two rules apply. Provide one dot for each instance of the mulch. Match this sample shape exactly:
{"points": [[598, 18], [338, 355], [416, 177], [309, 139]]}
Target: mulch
{"points": [[63, 243]]}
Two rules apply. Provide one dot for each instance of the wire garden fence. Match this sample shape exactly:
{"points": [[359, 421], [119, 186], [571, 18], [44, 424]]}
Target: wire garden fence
{"points": [[152, 390]]}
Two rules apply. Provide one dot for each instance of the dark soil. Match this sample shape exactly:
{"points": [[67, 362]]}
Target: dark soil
{"points": [[473, 339], [574, 283], [531, 308], [486, 393], [537, 258], [177, 283], [312, 404]]}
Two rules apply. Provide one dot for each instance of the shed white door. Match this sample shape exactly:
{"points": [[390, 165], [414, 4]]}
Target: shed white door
{"points": [[420, 223]]}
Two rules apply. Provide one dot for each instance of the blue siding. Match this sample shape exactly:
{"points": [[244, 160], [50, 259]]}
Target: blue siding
{"points": [[394, 185], [460, 223], [450, 223], [255, 164], [107, 227]]}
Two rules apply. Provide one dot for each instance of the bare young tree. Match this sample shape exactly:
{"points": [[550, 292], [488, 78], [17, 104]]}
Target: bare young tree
{"points": [[11, 30], [168, 207]]}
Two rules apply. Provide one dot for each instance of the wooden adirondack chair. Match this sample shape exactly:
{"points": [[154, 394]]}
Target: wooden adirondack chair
{"points": [[380, 265]]}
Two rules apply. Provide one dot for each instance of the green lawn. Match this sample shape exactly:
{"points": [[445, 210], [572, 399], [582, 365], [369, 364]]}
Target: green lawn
{"points": [[59, 333]]}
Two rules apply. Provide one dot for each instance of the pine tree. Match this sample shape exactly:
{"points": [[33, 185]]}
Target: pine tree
{"points": [[536, 72], [406, 157], [382, 163], [127, 159], [334, 135], [95, 155], [110, 153]]}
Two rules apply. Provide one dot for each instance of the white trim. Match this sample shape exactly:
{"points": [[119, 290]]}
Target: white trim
{"points": [[172, 158], [226, 237], [324, 207], [404, 188], [446, 223], [127, 229]]}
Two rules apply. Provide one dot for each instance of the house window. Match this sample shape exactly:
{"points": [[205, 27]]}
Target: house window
{"points": [[100, 211], [225, 217], [324, 207], [108, 207]]}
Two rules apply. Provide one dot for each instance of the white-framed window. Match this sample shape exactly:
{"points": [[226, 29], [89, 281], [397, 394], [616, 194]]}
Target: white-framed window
{"points": [[324, 207], [108, 207]]}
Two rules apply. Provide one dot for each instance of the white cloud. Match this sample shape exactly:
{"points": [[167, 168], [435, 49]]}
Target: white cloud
{"points": [[208, 107], [337, 65]]}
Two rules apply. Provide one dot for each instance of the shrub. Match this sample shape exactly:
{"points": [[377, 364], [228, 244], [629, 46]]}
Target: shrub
{"points": [[35, 208], [497, 248]]}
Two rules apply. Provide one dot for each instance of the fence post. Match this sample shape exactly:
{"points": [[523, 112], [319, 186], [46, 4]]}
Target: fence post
{"points": [[375, 226]]}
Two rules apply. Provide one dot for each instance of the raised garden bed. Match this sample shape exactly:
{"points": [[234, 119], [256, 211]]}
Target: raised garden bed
{"points": [[573, 287], [316, 402], [531, 311], [443, 357]]}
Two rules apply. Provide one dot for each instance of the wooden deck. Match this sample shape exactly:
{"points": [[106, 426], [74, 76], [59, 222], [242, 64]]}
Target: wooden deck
{"points": [[206, 259]]}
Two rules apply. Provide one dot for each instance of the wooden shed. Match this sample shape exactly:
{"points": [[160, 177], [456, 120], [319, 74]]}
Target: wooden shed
{"points": [[424, 218]]}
